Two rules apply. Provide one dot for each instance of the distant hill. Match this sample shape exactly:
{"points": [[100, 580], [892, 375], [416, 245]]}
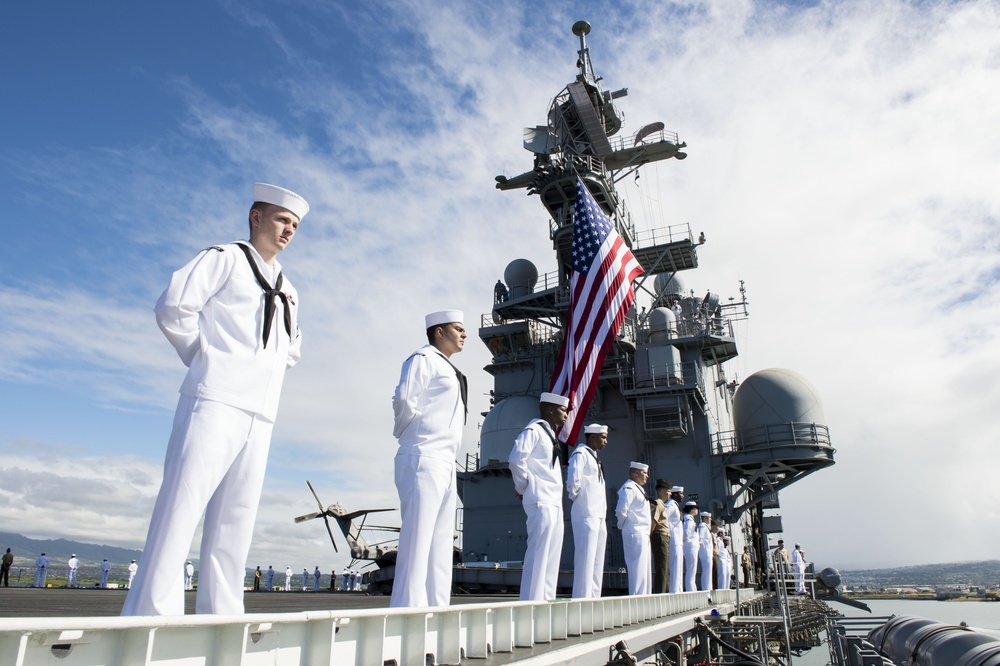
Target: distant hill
{"points": [[982, 574], [59, 550]]}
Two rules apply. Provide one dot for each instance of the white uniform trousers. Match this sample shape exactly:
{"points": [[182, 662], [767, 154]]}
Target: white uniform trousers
{"points": [[639, 562], [705, 559], [690, 566], [676, 565], [799, 572], [215, 465], [427, 505], [540, 575], [39, 577], [590, 538]]}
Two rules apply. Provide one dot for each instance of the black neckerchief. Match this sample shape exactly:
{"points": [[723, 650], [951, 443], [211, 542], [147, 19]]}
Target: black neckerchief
{"points": [[463, 383], [269, 295], [600, 467], [557, 449]]}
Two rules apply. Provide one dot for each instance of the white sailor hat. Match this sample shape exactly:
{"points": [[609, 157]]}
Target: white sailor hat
{"points": [[444, 317], [705, 514], [554, 399], [687, 504], [797, 546], [677, 489], [73, 555], [639, 466], [595, 429], [279, 196]]}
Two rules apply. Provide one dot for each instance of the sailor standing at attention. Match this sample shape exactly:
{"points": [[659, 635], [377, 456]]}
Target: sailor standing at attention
{"points": [[660, 538], [706, 551], [673, 508], [71, 567], [799, 569], [41, 563], [105, 570], [635, 522], [585, 486], [536, 468], [232, 316], [691, 546], [430, 406], [189, 576]]}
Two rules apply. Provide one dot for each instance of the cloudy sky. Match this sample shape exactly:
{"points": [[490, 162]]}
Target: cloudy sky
{"points": [[844, 162]]}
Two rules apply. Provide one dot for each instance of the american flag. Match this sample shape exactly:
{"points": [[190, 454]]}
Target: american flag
{"points": [[600, 295]]}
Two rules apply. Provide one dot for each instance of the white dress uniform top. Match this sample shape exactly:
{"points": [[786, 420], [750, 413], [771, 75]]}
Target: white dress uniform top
{"points": [[676, 543], [188, 576], [429, 417], [691, 548], [585, 486], [288, 579], [706, 553], [635, 522], [537, 475], [212, 312]]}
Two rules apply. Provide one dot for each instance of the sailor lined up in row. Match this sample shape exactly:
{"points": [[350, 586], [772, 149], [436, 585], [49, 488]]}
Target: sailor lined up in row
{"points": [[232, 317]]}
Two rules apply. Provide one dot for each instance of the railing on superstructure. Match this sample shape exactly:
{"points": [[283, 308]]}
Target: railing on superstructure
{"points": [[773, 438]]}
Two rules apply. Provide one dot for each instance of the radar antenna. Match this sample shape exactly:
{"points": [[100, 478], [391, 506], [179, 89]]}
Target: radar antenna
{"points": [[581, 29]]}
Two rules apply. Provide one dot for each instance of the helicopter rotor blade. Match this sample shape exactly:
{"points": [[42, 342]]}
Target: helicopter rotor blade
{"points": [[308, 516], [318, 503], [330, 531]]}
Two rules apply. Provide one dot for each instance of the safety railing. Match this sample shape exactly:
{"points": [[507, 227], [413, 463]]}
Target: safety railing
{"points": [[444, 635]]}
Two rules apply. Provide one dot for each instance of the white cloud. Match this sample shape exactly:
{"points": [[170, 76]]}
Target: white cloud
{"points": [[843, 161]]}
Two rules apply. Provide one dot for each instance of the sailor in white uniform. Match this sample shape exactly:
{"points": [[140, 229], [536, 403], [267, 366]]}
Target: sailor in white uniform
{"points": [[430, 406], [105, 570], [232, 317], [799, 570], [675, 521], [706, 551], [691, 546], [724, 566], [585, 487], [189, 576], [635, 521], [72, 565], [288, 579], [536, 468], [132, 570], [41, 565], [316, 575]]}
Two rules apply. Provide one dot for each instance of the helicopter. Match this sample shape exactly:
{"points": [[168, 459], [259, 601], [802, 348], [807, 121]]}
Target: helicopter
{"points": [[381, 553]]}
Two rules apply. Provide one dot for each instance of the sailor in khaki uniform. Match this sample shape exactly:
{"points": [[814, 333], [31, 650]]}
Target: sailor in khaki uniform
{"points": [[232, 317], [585, 487], [635, 522], [430, 406], [536, 468]]}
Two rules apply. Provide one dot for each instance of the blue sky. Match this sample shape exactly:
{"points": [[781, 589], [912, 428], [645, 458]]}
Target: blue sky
{"points": [[843, 161]]}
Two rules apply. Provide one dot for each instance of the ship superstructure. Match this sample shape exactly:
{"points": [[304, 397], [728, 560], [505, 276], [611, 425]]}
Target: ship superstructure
{"points": [[664, 389]]}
